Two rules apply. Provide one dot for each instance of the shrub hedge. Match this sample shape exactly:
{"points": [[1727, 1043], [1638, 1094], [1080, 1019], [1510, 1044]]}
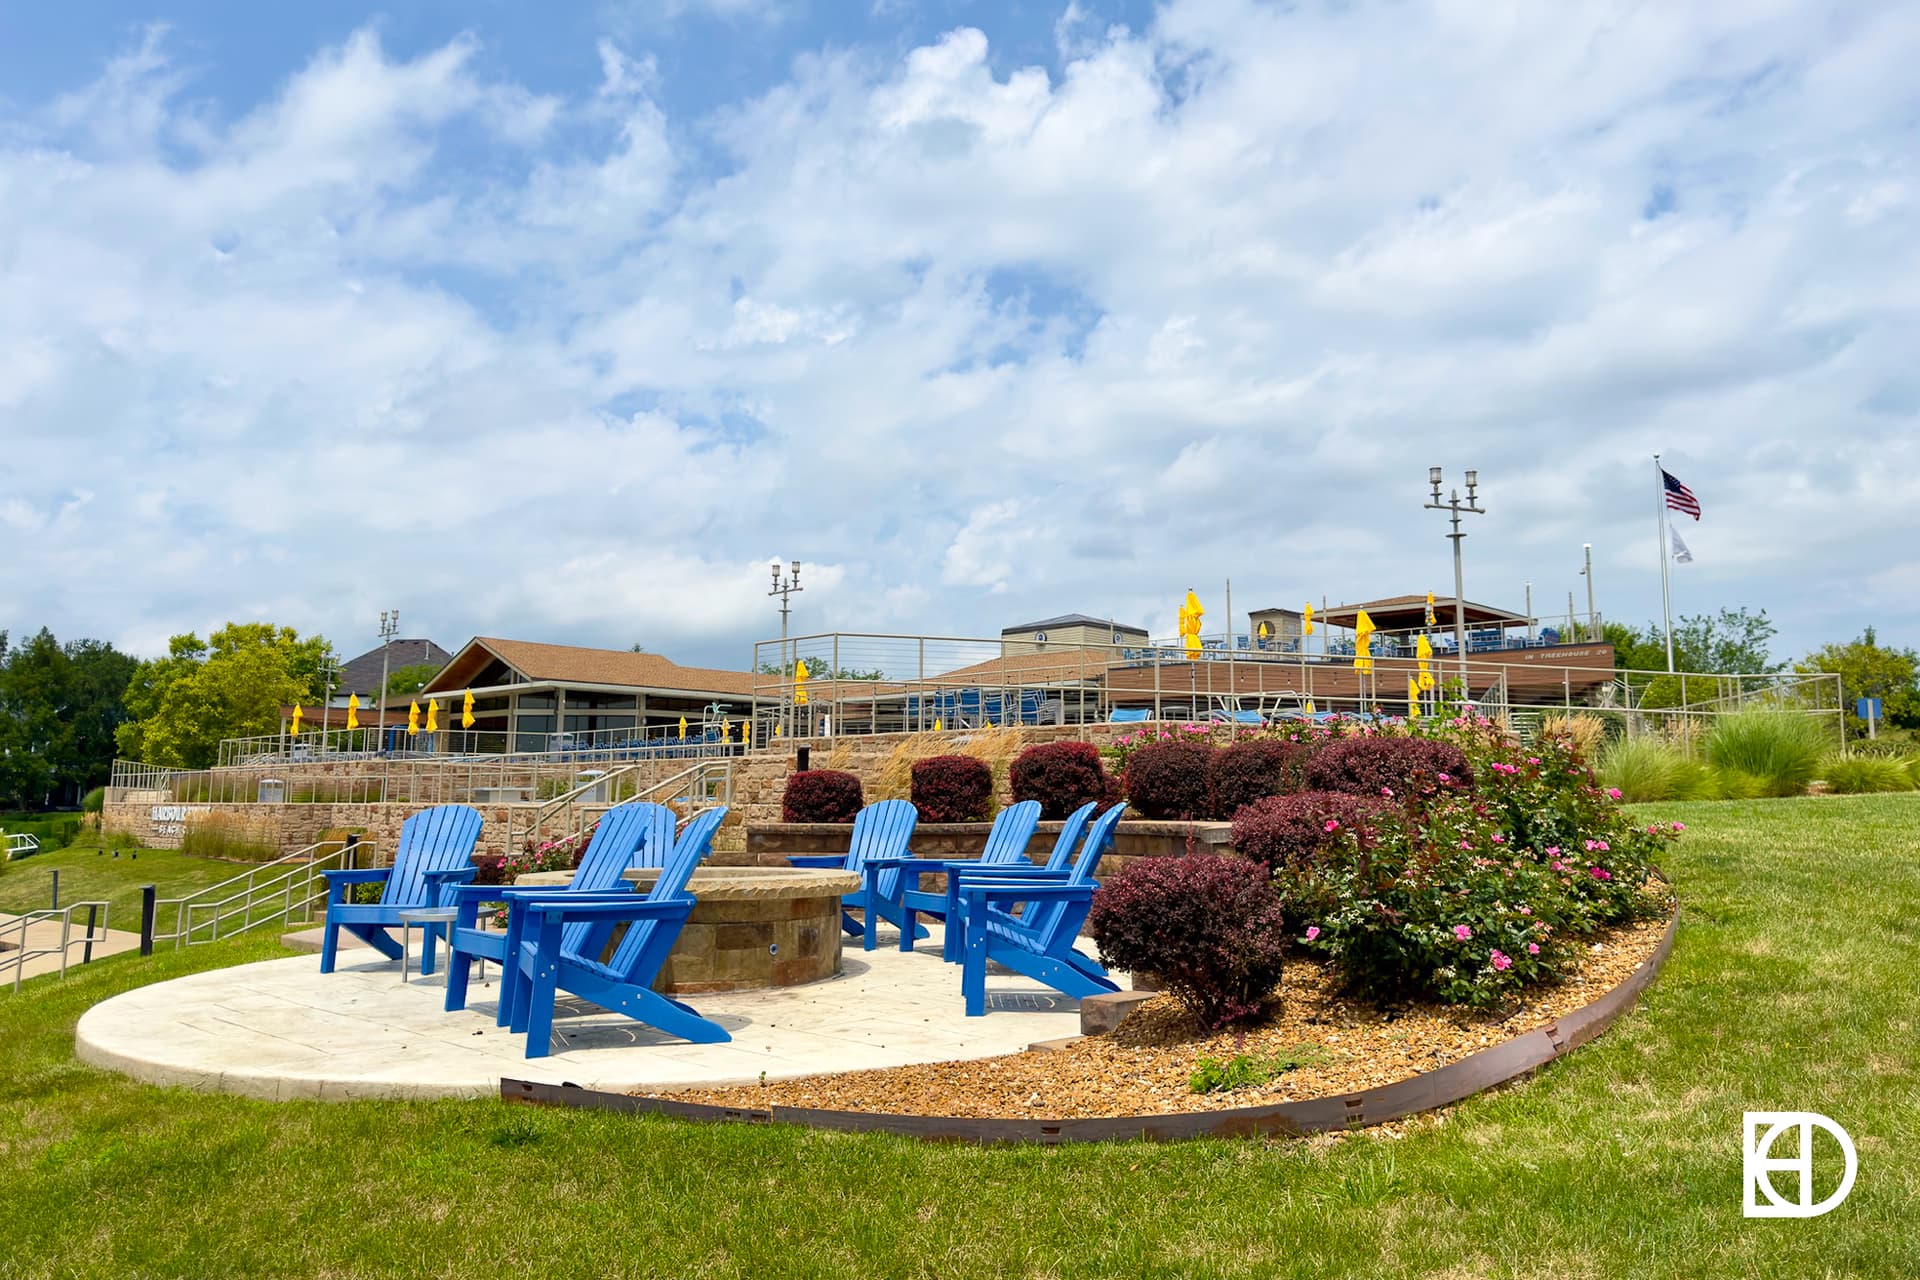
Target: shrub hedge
{"points": [[1062, 776], [1252, 770], [1209, 927], [1406, 767], [952, 788], [1170, 780], [821, 795]]}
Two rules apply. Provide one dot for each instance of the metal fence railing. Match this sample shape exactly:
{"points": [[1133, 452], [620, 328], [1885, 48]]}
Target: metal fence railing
{"points": [[20, 945], [867, 683], [284, 891], [708, 735], [19, 844]]}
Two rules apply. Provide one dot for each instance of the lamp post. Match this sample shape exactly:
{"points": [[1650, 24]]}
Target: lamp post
{"points": [[329, 668], [1455, 506], [1593, 622], [389, 628], [785, 588]]}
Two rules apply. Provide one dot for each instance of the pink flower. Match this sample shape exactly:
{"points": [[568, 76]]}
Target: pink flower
{"points": [[1444, 777], [1387, 792], [1597, 846], [1498, 838], [1613, 793], [1679, 826], [1533, 948], [1600, 873], [1466, 844], [1533, 759], [1558, 865], [1333, 824], [1526, 911], [1313, 931], [1461, 932], [1553, 851], [1501, 962]]}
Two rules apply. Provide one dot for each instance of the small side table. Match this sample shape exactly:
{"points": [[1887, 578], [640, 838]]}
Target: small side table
{"points": [[427, 918]]}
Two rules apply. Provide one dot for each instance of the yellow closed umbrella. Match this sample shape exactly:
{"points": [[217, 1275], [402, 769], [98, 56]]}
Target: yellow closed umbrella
{"points": [[466, 711], [413, 717], [1429, 608], [433, 715], [683, 728], [1306, 621], [1363, 642], [1423, 649], [746, 731], [800, 678], [1190, 615], [353, 711], [296, 719], [726, 731], [1413, 698], [1310, 706], [937, 726]]}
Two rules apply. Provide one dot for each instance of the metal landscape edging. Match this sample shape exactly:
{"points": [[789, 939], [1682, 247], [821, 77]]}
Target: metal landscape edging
{"points": [[1426, 1091]]}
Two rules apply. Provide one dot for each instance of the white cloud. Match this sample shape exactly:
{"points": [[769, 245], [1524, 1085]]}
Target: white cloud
{"points": [[1200, 300]]}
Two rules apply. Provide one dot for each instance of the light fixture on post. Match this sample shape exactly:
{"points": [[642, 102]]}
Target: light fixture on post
{"points": [[784, 589], [1453, 504], [389, 628]]}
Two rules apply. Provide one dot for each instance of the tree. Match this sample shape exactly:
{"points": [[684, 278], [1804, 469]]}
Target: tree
{"points": [[408, 680], [1869, 670], [231, 686], [59, 706], [1731, 641]]}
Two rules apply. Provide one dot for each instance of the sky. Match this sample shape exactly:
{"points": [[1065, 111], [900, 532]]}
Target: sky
{"points": [[561, 322]]}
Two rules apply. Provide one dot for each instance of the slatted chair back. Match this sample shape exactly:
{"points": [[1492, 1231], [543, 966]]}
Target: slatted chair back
{"points": [[661, 823], [616, 846], [882, 830], [1048, 917], [1012, 831], [1069, 838], [634, 949], [436, 839]]}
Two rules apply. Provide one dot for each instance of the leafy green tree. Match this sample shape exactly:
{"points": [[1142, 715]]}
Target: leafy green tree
{"points": [[1867, 669], [59, 707], [405, 681], [1733, 640], [233, 685]]}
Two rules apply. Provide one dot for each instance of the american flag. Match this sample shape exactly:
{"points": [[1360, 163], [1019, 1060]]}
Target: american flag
{"points": [[1679, 497]]}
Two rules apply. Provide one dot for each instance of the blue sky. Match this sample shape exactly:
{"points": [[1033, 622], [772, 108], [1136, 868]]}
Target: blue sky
{"points": [[560, 324]]}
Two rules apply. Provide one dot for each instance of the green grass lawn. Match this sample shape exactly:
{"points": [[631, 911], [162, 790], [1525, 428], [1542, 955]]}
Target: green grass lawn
{"points": [[89, 872], [1792, 987]]}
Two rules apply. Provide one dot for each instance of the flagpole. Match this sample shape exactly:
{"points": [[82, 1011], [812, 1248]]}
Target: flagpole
{"points": [[1666, 592]]}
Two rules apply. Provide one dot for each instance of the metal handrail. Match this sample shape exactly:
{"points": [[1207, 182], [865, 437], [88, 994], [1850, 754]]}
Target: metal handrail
{"points": [[694, 777], [22, 844], [18, 955], [294, 890]]}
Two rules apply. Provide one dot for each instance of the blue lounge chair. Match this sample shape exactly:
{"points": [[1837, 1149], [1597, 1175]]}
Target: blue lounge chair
{"points": [[435, 852], [1039, 942], [541, 965], [881, 830], [1129, 715], [1057, 867], [1013, 829], [628, 835]]}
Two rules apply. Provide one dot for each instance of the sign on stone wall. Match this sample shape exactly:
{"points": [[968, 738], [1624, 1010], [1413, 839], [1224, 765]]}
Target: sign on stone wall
{"points": [[171, 819]]}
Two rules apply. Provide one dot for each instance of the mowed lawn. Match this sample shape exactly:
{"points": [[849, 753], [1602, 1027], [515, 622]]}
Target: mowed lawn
{"points": [[89, 872], [1792, 988]]}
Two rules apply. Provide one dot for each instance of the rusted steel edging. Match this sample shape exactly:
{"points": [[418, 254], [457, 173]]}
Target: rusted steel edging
{"points": [[1440, 1087]]}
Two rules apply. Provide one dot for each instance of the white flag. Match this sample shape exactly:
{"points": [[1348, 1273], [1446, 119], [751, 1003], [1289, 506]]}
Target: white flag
{"points": [[1681, 555]]}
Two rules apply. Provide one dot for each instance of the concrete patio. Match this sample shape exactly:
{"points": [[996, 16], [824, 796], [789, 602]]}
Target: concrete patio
{"points": [[280, 1029]]}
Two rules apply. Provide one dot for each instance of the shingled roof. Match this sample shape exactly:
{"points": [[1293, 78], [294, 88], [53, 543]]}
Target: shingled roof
{"points": [[572, 664], [361, 675]]}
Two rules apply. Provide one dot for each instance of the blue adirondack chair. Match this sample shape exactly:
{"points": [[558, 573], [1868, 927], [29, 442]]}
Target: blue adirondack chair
{"points": [[1039, 942], [881, 830], [541, 965], [435, 852], [1056, 867], [1007, 841], [658, 848], [628, 835]]}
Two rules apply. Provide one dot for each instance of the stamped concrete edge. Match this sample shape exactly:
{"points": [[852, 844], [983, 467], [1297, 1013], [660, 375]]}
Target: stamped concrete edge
{"points": [[1429, 1090]]}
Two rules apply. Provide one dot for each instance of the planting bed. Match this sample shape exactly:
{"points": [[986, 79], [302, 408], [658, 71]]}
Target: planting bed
{"points": [[1143, 1068]]}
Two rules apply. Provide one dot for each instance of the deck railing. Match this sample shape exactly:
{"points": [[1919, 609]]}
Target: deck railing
{"points": [[284, 891], [15, 953]]}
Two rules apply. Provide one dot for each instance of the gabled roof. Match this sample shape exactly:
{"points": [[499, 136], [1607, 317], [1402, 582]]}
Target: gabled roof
{"points": [[1074, 620], [362, 674], [571, 664]]}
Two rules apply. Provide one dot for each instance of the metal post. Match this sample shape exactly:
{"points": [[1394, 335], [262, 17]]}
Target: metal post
{"points": [[1454, 506], [56, 888], [148, 908], [389, 627], [1666, 594], [86, 954], [1593, 621], [1529, 611]]}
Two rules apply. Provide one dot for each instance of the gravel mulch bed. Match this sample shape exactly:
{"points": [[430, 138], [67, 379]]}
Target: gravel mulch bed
{"points": [[1143, 1068]]}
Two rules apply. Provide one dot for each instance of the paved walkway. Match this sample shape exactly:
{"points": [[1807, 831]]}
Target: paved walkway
{"points": [[280, 1029], [43, 937]]}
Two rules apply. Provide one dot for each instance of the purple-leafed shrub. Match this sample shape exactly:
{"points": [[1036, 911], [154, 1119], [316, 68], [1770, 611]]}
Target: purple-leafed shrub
{"points": [[1170, 781], [821, 795], [1405, 767], [952, 788], [1062, 776], [1253, 770], [1291, 832]]}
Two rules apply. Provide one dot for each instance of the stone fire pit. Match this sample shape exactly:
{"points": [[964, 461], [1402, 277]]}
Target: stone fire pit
{"points": [[754, 927]]}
